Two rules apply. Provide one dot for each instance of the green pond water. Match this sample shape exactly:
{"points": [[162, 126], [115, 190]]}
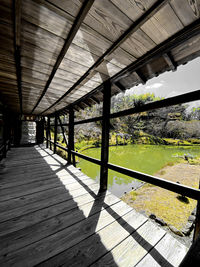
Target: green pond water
{"points": [[144, 158]]}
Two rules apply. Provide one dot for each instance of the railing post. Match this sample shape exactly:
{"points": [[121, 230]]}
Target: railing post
{"points": [[71, 135], [105, 136], [55, 132], [197, 221], [48, 131]]}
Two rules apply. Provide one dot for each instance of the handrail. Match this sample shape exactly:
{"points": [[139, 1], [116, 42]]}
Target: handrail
{"points": [[93, 160], [171, 186], [165, 184]]}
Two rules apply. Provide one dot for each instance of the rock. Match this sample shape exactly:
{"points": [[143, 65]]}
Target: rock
{"points": [[191, 218], [175, 230], [152, 216], [188, 228], [194, 212], [160, 221]]}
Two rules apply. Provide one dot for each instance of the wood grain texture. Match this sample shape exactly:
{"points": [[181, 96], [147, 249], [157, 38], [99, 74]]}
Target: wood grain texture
{"points": [[72, 223], [170, 249]]}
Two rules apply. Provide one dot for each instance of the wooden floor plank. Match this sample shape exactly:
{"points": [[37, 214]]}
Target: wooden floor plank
{"points": [[64, 239], [52, 214], [137, 244], [110, 237], [68, 182], [63, 217], [11, 216], [171, 250], [40, 177], [38, 186]]}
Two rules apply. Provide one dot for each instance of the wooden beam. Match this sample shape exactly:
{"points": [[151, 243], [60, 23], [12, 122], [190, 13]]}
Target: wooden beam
{"points": [[48, 132], [175, 100], [95, 99], [17, 47], [120, 86], [163, 183], [75, 27], [141, 77], [55, 132], [89, 120], [173, 41], [133, 28], [105, 136], [70, 135], [170, 61]]}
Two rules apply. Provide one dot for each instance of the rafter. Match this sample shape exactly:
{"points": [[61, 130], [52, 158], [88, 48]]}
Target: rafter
{"points": [[141, 77], [170, 61], [133, 28], [95, 99], [75, 27], [165, 47], [120, 86]]}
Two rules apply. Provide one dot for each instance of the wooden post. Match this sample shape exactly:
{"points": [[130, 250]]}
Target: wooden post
{"points": [[47, 132], [71, 135], [55, 133], [197, 221], [105, 136]]}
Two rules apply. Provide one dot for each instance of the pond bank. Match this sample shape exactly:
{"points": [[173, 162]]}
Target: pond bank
{"points": [[143, 158], [169, 207]]}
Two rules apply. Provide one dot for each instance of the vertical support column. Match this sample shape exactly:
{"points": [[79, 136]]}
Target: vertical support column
{"points": [[197, 221], [55, 132], [71, 135], [47, 132], [105, 136]]}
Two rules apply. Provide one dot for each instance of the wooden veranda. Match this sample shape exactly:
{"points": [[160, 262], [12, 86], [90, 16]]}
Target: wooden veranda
{"points": [[54, 215], [57, 57]]}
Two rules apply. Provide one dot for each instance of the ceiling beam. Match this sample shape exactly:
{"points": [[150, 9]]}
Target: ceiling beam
{"points": [[141, 77], [120, 86], [165, 47], [87, 4], [133, 28], [170, 61], [17, 47], [95, 100]]}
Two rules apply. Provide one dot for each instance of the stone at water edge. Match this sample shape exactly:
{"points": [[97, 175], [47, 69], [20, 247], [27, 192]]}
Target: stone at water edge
{"points": [[160, 221], [175, 230], [152, 216]]}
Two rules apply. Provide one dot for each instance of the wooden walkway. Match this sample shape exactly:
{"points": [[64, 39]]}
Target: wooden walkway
{"points": [[53, 215]]}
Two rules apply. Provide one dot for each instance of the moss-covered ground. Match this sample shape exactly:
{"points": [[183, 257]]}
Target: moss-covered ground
{"points": [[169, 206]]}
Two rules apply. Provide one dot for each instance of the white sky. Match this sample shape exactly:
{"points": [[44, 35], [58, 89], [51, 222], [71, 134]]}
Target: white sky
{"points": [[185, 79]]}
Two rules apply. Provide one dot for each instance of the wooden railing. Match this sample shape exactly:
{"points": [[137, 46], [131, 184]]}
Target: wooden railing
{"points": [[103, 162]]}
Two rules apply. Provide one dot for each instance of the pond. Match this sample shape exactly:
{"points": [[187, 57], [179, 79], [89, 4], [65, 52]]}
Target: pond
{"points": [[144, 158]]}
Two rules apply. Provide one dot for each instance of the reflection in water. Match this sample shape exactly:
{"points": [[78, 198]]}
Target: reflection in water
{"points": [[144, 158]]}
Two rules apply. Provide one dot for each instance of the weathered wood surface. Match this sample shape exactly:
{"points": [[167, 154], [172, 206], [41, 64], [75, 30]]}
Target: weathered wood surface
{"points": [[61, 219], [45, 25]]}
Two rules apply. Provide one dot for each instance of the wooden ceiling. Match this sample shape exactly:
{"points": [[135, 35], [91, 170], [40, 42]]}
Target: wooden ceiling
{"points": [[55, 54]]}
